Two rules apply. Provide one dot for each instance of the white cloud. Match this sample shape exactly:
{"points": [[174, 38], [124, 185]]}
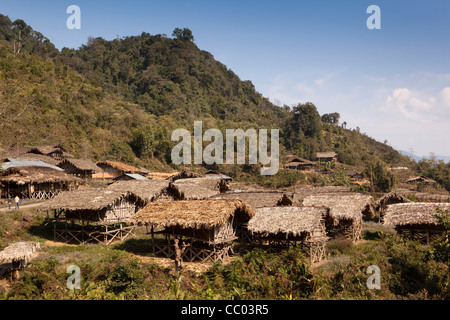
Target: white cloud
{"points": [[445, 96], [409, 105]]}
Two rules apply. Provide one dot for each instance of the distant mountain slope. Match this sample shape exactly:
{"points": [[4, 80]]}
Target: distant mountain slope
{"points": [[121, 100], [446, 159]]}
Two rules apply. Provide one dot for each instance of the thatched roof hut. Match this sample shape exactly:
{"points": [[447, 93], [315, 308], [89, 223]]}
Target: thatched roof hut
{"points": [[326, 156], [390, 198], [343, 206], [147, 190], [18, 251], [35, 182], [346, 211], [113, 169], [289, 225], [210, 226], [96, 215], [197, 214], [184, 174], [298, 163], [416, 220], [35, 175], [413, 214], [83, 168], [85, 200], [301, 193], [420, 179], [288, 221], [258, 198], [198, 188]]}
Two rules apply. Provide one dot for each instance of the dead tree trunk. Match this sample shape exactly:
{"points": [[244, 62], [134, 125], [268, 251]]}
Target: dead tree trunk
{"points": [[179, 255]]}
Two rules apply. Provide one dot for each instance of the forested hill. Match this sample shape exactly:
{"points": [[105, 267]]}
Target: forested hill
{"points": [[121, 100]]}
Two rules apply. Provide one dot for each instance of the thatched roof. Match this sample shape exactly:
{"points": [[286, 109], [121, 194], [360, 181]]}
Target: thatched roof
{"points": [[147, 190], [343, 206], [87, 199], [420, 179], [183, 175], [196, 214], [414, 213], [389, 198], [301, 193], [198, 188], [15, 152], [19, 251], [82, 164], [287, 220], [257, 198], [118, 165], [24, 175]]}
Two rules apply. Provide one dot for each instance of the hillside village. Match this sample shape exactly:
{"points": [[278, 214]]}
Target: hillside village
{"points": [[86, 181], [205, 214]]}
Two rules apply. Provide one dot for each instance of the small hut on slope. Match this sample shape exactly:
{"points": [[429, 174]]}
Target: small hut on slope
{"points": [[209, 226], [197, 188], [416, 220], [346, 211], [92, 215], [35, 182], [82, 168], [113, 169], [18, 255], [285, 226]]}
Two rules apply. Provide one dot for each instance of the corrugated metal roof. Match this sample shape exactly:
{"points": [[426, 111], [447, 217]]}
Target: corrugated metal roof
{"points": [[17, 162], [136, 176]]}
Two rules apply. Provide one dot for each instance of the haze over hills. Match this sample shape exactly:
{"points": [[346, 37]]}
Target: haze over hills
{"points": [[417, 158]]}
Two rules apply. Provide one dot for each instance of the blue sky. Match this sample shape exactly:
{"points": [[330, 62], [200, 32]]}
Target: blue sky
{"points": [[393, 83]]}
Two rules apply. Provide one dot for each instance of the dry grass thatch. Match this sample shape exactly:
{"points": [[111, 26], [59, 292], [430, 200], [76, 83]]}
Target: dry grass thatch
{"points": [[87, 199], [301, 193], [184, 174], [287, 220], [19, 251], [343, 206], [147, 190], [118, 165], [414, 213], [390, 198], [257, 198], [195, 214], [198, 188], [36, 175], [82, 165]]}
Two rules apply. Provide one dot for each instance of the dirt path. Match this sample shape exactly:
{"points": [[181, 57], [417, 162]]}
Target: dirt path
{"points": [[31, 205]]}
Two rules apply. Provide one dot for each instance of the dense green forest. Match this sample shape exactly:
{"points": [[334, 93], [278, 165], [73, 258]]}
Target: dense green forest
{"points": [[122, 99]]}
